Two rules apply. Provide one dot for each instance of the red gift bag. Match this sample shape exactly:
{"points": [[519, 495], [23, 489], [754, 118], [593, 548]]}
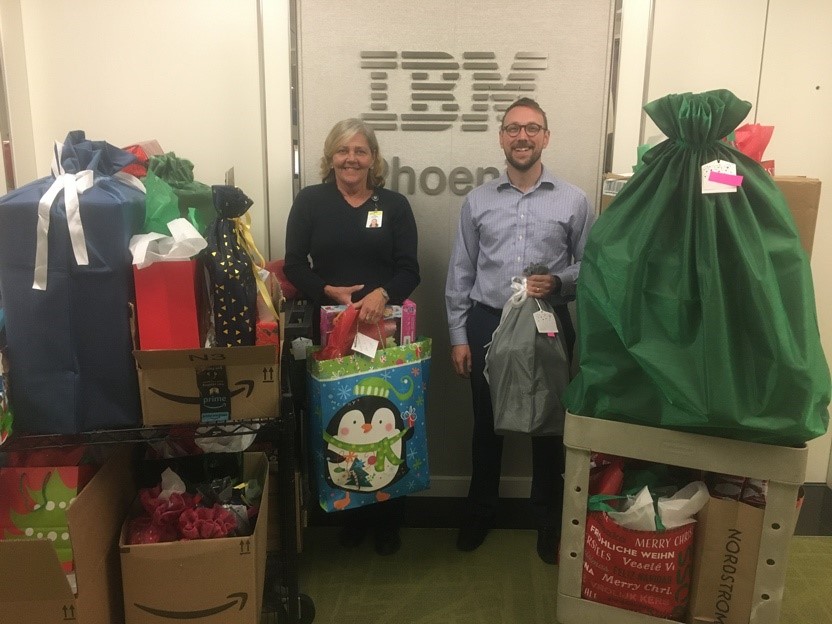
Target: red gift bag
{"points": [[644, 571], [347, 325], [752, 140], [167, 305]]}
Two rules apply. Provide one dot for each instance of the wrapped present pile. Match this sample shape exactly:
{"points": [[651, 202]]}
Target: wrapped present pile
{"points": [[108, 256]]}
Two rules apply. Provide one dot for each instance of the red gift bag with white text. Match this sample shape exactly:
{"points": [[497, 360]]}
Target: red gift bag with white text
{"points": [[644, 571]]}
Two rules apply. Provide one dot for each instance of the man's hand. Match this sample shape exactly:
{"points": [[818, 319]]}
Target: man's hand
{"points": [[342, 294], [461, 359], [541, 286], [371, 307]]}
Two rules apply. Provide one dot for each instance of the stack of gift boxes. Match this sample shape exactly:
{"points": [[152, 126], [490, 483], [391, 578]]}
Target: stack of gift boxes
{"points": [[132, 295]]}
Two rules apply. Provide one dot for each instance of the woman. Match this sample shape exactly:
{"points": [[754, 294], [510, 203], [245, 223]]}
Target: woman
{"points": [[362, 240]]}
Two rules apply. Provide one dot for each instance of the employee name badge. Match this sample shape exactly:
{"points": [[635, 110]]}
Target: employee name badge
{"points": [[720, 176], [545, 321], [374, 218], [364, 344]]}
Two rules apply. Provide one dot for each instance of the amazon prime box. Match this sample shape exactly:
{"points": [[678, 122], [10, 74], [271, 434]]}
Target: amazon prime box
{"points": [[207, 580], [208, 386]]}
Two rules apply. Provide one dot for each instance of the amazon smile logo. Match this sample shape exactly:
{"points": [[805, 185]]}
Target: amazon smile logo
{"points": [[234, 599], [247, 386]]}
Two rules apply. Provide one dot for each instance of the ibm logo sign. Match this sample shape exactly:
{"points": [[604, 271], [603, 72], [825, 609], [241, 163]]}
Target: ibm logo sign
{"points": [[438, 100]]}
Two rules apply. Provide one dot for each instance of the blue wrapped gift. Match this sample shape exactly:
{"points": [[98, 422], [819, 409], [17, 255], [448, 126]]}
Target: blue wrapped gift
{"points": [[66, 282]]}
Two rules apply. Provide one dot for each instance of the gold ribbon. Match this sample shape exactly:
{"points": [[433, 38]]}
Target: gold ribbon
{"points": [[242, 228]]}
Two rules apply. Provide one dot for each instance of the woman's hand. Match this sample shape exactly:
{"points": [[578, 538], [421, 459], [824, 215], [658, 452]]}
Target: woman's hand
{"points": [[342, 294], [371, 307]]}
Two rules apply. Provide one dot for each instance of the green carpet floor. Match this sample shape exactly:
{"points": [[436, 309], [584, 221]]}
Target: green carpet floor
{"points": [[503, 582]]}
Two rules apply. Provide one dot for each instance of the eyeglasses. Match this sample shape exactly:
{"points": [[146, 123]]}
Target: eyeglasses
{"points": [[514, 129]]}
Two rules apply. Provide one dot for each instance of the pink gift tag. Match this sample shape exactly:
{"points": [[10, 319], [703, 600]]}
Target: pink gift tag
{"points": [[725, 178]]}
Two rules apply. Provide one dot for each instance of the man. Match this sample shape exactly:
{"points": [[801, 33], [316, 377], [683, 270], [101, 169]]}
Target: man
{"points": [[525, 216]]}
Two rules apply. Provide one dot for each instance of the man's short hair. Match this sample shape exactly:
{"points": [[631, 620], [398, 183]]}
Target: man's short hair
{"points": [[528, 103]]}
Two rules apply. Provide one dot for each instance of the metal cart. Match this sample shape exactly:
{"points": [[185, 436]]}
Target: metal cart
{"points": [[282, 601]]}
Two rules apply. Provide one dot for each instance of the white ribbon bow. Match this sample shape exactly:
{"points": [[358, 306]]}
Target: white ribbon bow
{"points": [[185, 243], [72, 185]]}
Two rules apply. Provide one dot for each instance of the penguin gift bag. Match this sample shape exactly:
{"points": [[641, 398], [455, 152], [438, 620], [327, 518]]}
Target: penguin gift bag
{"points": [[367, 436]]}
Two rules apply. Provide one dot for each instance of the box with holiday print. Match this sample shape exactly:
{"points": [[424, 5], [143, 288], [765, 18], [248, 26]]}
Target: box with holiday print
{"points": [[34, 585], [34, 501], [367, 433]]}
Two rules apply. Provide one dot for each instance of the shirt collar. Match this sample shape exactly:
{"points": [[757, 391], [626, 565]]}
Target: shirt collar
{"points": [[546, 179]]}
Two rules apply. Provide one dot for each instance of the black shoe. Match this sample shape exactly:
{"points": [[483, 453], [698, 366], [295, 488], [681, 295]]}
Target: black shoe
{"points": [[352, 535], [387, 540], [473, 534], [548, 540]]}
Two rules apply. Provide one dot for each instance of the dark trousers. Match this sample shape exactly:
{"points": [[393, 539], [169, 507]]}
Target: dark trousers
{"points": [[548, 460]]}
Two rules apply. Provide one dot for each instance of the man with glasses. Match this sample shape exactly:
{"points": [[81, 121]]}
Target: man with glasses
{"points": [[526, 216]]}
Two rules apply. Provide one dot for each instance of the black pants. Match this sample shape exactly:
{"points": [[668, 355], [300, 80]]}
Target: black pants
{"points": [[487, 447]]}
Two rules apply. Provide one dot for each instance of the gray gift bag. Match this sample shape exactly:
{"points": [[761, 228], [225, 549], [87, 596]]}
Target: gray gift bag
{"points": [[526, 371]]}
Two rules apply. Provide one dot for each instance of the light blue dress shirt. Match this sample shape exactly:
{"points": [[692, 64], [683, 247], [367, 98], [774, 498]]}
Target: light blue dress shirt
{"points": [[502, 230]]}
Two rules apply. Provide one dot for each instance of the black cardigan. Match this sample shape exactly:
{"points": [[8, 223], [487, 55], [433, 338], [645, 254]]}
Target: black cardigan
{"points": [[344, 251]]}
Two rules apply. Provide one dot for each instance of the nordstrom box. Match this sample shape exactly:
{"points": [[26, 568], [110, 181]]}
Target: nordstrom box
{"points": [[168, 305], [34, 588], [210, 386], [212, 581], [403, 317], [803, 197]]}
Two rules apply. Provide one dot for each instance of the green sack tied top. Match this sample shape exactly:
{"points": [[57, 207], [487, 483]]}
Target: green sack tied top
{"points": [[696, 311]]}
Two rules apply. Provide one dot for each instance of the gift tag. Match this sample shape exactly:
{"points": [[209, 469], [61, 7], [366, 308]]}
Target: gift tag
{"points": [[720, 176], [545, 321], [365, 345]]}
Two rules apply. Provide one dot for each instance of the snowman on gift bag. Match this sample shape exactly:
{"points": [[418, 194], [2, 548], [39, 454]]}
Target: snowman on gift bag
{"points": [[366, 441]]}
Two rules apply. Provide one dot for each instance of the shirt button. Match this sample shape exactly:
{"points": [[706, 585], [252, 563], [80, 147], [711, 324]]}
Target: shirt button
{"points": [[518, 258], [522, 215], [520, 237]]}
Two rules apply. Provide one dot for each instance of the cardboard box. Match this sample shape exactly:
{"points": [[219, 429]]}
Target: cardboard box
{"points": [[803, 197], [726, 549], [210, 386], [612, 183], [34, 589], [215, 581], [167, 305], [404, 316]]}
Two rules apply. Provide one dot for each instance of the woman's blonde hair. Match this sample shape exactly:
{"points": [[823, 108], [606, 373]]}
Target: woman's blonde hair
{"points": [[342, 132]]}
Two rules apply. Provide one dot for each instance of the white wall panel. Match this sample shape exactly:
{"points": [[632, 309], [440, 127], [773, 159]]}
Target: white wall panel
{"points": [[796, 98], [704, 45], [184, 72]]}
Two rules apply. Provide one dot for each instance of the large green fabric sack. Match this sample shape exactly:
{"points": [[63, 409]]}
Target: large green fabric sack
{"points": [[696, 312]]}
